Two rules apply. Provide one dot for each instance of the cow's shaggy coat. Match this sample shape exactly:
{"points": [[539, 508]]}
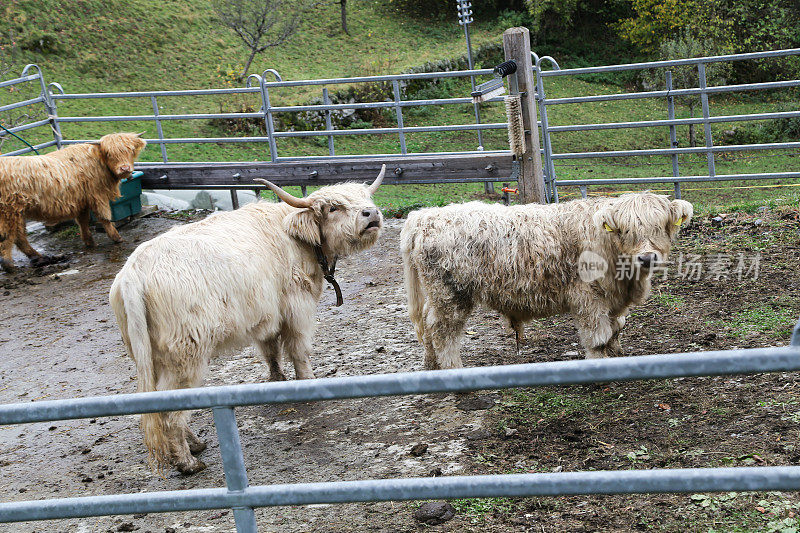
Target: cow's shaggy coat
{"points": [[250, 275], [530, 261], [61, 185]]}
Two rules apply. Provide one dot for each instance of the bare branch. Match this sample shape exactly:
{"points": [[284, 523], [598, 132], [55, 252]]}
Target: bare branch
{"points": [[260, 24]]}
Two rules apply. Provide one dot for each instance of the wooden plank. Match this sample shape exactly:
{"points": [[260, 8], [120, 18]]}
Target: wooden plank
{"points": [[400, 169], [517, 46]]}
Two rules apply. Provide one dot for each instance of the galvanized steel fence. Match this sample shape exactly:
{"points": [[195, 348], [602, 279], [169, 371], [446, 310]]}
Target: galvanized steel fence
{"points": [[495, 165], [243, 498], [704, 91]]}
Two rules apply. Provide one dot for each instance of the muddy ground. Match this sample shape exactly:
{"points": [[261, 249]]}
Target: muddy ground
{"points": [[58, 339]]}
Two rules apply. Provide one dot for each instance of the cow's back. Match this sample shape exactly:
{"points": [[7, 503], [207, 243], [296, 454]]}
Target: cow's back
{"points": [[519, 259], [213, 284], [58, 185]]}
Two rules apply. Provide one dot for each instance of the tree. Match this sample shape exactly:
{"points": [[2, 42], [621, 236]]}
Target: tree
{"points": [[732, 26], [260, 24], [343, 6], [686, 77]]}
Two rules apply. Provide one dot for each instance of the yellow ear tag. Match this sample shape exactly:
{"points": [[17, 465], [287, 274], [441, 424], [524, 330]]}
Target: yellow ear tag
{"points": [[680, 221], [607, 227]]}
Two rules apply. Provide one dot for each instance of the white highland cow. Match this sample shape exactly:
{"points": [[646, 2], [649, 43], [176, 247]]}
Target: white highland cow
{"points": [[250, 275], [532, 261]]}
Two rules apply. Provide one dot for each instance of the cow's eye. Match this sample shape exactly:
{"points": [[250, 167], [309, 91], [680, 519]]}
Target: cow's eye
{"points": [[332, 209]]}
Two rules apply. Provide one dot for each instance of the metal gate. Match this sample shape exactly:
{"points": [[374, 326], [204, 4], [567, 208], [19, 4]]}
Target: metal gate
{"points": [[704, 91], [243, 498]]}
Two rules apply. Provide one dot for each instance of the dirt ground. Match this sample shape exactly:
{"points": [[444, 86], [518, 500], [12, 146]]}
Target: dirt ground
{"points": [[58, 339]]}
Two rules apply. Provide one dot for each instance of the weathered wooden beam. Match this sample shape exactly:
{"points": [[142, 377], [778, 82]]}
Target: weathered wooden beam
{"points": [[400, 169], [517, 46]]}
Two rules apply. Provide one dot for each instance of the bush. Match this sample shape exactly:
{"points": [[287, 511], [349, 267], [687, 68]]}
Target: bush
{"points": [[440, 9], [770, 131]]}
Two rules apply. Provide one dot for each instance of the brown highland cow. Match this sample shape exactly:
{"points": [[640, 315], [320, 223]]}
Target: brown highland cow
{"points": [[62, 185]]}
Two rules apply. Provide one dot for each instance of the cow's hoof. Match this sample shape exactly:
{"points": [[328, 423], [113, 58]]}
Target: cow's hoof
{"points": [[44, 260], [190, 468], [7, 267], [197, 447], [277, 377]]}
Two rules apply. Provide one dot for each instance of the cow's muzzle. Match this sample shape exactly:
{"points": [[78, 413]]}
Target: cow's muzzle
{"points": [[647, 260], [372, 217]]}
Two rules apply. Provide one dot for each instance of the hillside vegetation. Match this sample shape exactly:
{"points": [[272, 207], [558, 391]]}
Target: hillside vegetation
{"points": [[94, 45]]}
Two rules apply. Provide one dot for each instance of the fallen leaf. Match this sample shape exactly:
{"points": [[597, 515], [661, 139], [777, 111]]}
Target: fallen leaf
{"points": [[664, 406]]}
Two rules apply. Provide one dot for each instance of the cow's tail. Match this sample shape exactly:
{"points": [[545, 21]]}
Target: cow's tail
{"points": [[127, 300], [414, 290]]}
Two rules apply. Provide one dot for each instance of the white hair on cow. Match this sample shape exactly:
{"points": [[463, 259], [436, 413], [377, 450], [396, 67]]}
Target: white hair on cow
{"points": [[251, 275], [523, 261]]}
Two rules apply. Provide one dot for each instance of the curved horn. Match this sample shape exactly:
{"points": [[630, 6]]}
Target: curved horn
{"points": [[375, 184], [285, 196], [140, 134]]}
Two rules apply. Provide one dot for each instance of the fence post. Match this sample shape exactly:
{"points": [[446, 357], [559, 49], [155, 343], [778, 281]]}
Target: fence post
{"points": [[230, 446], [701, 74], [673, 138], [517, 46], [326, 99], [550, 169], [159, 130], [399, 114], [49, 104]]}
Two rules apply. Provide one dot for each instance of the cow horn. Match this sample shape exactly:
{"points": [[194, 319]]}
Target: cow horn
{"points": [[378, 180], [285, 196], [140, 134], [93, 142]]}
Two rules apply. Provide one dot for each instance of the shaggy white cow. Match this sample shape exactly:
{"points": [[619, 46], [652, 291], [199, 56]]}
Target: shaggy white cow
{"points": [[250, 275], [533, 261]]}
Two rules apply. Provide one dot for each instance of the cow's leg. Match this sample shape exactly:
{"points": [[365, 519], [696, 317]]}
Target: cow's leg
{"points": [[103, 213], [6, 242], [445, 325], [614, 347], [86, 232], [271, 352], [518, 326], [430, 354], [595, 331], [180, 439], [297, 345], [296, 332], [196, 445]]}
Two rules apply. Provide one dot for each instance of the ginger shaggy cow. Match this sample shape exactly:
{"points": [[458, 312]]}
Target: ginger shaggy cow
{"points": [[65, 184], [590, 258], [250, 275]]}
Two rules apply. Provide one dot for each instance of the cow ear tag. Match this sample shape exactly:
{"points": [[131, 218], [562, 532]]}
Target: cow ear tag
{"points": [[607, 227], [680, 221]]}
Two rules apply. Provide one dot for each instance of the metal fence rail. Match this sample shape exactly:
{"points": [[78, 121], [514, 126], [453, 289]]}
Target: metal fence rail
{"points": [[267, 111], [244, 499], [261, 86], [703, 91]]}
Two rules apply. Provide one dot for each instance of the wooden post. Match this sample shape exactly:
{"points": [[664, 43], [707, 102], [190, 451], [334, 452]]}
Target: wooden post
{"points": [[517, 46]]}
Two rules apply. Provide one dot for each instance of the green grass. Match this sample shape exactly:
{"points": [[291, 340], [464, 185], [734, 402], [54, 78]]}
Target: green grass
{"points": [[767, 319], [670, 301], [477, 509], [545, 405]]}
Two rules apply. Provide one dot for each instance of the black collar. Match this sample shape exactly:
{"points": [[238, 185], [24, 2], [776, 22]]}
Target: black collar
{"points": [[327, 272]]}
